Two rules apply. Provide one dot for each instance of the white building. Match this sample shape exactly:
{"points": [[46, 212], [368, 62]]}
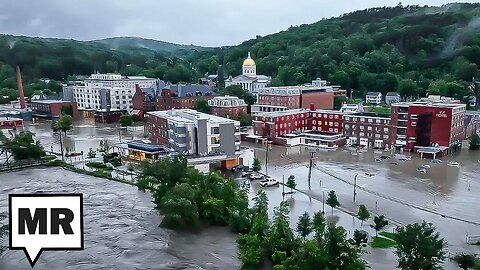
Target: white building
{"points": [[374, 98], [189, 132], [226, 101], [249, 80], [108, 91]]}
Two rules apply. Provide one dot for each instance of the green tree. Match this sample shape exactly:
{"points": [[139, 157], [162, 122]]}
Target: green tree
{"points": [[465, 261], [202, 105], [23, 146], [237, 91], [419, 246], [379, 222], [363, 213], [126, 120], [291, 183], [91, 153], [280, 236], [67, 110], [304, 226], [245, 119], [359, 238], [475, 142], [318, 224], [407, 88], [257, 166], [338, 102], [104, 147], [332, 200], [340, 253], [63, 124]]}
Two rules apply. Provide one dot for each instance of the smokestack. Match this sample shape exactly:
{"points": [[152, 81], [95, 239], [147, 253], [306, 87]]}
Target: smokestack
{"points": [[20, 89]]}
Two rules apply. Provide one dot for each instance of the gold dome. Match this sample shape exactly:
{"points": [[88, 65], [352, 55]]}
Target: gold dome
{"points": [[249, 61]]}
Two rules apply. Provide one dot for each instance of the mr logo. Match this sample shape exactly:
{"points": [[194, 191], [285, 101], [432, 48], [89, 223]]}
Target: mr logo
{"points": [[45, 222]]}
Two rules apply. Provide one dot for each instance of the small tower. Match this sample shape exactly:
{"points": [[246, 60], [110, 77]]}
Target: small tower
{"points": [[249, 67]]}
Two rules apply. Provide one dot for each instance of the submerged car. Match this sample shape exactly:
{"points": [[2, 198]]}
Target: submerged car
{"points": [[453, 164], [436, 161], [255, 176], [369, 174], [269, 182], [421, 170]]}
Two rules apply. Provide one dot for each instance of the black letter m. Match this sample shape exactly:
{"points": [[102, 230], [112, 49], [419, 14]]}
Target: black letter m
{"points": [[39, 216]]}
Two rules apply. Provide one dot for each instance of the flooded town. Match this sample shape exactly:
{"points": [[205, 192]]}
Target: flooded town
{"points": [[342, 144]]}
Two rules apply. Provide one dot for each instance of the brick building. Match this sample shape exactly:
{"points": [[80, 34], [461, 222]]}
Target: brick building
{"points": [[283, 98], [182, 96], [429, 123], [53, 108], [144, 100], [371, 130], [227, 106], [300, 126]]}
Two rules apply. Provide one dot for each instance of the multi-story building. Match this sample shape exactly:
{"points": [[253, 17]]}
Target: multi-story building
{"points": [[392, 97], [471, 124], [227, 106], [249, 80], [371, 130], [190, 132], [182, 96], [144, 99], [319, 128], [106, 91], [318, 93], [373, 98], [53, 108], [432, 122]]}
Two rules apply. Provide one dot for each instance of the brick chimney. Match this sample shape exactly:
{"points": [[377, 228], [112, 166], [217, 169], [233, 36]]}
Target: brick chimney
{"points": [[23, 105]]}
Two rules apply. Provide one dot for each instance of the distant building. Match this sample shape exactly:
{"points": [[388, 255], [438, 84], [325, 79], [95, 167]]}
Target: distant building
{"points": [[392, 97], [52, 109], [434, 124], [182, 96], [227, 106], [352, 108], [371, 130], [373, 98], [249, 80], [471, 124], [144, 99], [106, 91], [108, 116], [318, 93], [190, 132]]}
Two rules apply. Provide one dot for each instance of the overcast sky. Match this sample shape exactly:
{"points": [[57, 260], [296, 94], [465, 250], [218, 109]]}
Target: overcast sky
{"points": [[200, 22]]}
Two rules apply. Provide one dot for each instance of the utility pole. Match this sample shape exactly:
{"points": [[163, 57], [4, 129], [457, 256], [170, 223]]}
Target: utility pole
{"points": [[310, 170], [266, 160], [120, 133], [61, 144], [323, 202], [355, 187], [283, 188]]}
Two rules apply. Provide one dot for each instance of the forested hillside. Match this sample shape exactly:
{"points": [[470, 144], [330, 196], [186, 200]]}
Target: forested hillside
{"points": [[413, 50], [407, 49]]}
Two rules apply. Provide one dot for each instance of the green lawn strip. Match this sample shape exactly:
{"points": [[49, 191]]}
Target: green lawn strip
{"points": [[390, 235], [382, 242]]}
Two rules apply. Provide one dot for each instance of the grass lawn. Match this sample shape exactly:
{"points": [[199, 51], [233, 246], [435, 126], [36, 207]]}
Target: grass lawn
{"points": [[388, 235], [382, 242]]}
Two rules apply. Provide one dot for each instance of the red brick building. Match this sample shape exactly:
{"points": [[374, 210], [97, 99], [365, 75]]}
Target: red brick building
{"points": [[53, 108], [326, 121], [143, 101], [429, 123], [182, 96], [370, 130], [227, 106]]}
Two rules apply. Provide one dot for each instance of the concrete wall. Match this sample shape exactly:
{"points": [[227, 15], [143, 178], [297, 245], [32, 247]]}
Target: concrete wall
{"points": [[202, 138], [227, 138]]}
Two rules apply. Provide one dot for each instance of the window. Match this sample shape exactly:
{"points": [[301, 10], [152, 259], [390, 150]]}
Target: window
{"points": [[336, 124], [362, 134], [347, 118], [385, 130], [331, 116], [362, 119], [414, 124], [362, 127], [330, 124], [336, 116], [370, 120], [377, 121], [369, 128], [347, 126], [336, 130]]}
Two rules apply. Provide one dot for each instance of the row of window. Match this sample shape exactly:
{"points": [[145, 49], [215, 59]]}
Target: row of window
{"points": [[369, 128], [329, 116], [369, 120], [369, 135], [326, 123]]}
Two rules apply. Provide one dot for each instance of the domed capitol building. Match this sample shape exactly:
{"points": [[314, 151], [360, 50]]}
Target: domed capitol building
{"points": [[249, 80]]}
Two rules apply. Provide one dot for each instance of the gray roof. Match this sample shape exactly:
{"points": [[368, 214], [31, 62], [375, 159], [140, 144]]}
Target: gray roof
{"points": [[373, 93], [189, 90], [392, 94], [152, 92]]}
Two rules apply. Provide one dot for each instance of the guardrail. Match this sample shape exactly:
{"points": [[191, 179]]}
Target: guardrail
{"points": [[21, 165]]}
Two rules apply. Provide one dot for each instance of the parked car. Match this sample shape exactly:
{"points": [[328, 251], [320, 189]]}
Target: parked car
{"points": [[247, 173], [421, 169], [269, 182], [436, 161], [453, 164], [369, 174], [239, 167], [255, 176]]}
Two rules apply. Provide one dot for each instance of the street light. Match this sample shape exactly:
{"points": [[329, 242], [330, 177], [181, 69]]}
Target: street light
{"points": [[355, 187]]}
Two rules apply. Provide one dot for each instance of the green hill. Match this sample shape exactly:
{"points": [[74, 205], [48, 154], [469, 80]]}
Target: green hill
{"points": [[408, 49], [150, 44]]}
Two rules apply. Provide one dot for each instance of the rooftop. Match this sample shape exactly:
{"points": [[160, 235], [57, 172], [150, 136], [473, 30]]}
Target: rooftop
{"points": [[190, 116], [371, 114], [50, 101], [373, 93], [148, 146], [281, 113]]}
